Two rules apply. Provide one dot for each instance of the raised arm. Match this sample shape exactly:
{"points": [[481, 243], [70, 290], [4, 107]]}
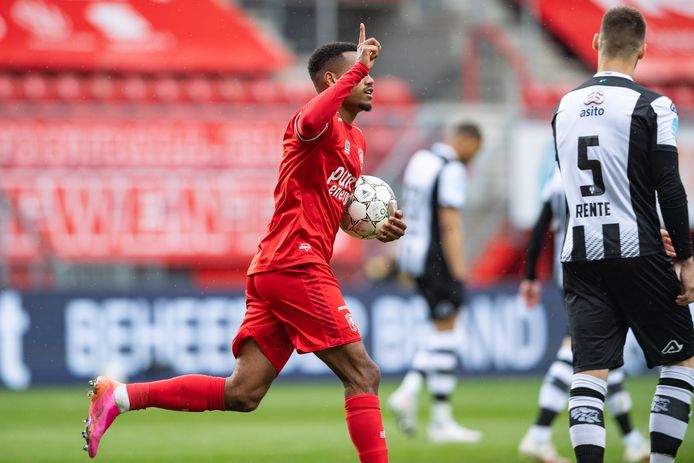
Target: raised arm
{"points": [[316, 114]]}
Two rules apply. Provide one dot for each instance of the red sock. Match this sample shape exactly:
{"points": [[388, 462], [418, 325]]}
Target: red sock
{"points": [[190, 393], [366, 428]]}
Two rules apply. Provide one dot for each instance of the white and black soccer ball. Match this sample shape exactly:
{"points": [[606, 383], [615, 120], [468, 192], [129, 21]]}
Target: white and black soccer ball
{"points": [[371, 204]]}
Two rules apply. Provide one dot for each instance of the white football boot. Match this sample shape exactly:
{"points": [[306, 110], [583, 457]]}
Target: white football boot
{"points": [[450, 431], [403, 404], [636, 447], [543, 452]]}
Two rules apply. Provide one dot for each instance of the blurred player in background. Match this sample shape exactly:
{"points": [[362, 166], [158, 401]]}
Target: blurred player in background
{"points": [[616, 148], [293, 300], [537, 443], [432, 253]]}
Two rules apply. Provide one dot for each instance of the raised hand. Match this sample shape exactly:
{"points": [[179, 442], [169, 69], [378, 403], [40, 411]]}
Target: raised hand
{"points": [[367, 49]]}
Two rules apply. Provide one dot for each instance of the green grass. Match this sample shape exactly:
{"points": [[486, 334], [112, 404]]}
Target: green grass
{"points": [[302, 423]]}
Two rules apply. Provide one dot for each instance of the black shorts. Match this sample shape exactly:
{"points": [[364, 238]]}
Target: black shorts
{"points": [[605, 298], [444, 295]]}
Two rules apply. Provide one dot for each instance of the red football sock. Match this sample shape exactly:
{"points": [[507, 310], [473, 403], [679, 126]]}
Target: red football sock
{"points": [[366, 428], [190, 393]]}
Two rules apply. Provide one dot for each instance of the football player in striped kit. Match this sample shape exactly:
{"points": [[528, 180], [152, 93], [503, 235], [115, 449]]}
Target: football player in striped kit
{"points": [[432, 253], [616, 149], [537, 442]]}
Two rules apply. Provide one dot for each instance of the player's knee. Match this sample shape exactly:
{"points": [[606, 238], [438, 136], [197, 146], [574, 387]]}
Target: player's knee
{"points": [[242, 399], [243, 402], [368, 378], [686, 363]]}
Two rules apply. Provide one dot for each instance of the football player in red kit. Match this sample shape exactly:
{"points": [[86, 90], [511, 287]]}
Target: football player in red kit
{"points": [[293, 301]]}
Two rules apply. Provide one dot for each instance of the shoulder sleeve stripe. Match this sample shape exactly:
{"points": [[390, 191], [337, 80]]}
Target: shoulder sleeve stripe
{"points": [[298, 134]]}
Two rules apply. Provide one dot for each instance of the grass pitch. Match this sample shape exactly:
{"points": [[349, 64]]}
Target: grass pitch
{"points": [[297, 423]]}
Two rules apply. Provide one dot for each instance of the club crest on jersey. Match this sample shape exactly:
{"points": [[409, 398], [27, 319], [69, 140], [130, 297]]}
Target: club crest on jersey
{"points": [[305, 247], [347, 146], [595, 97], [350, 322]]}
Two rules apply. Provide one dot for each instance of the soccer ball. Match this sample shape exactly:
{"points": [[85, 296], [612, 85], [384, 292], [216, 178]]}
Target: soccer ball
{"points": [[368, 209]]}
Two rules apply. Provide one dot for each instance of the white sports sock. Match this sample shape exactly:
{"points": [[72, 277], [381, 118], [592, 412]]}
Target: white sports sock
{"points": [[586, 422], [658, 458], [670, 411], [632, 439], [412, 382], [120, 395], [540, 434], [441, 412]]}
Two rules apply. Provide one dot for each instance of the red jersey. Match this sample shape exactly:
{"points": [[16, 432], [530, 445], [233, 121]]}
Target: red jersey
{"points": [[316, 179]]}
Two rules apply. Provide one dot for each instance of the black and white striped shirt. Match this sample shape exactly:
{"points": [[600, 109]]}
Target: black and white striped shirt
{"points": [[609, 133], [433, 178]]}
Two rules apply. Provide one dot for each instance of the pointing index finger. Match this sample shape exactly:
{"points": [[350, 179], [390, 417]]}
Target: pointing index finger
{"points": [[362, 33]]}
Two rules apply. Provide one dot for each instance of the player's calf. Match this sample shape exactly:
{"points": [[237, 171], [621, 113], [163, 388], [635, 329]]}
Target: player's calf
{"points": [[670, 412], [586, 421], [361, 377]]}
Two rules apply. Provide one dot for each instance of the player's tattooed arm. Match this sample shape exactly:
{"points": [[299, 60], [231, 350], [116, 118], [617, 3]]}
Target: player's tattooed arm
{"points": [[394, 228]]}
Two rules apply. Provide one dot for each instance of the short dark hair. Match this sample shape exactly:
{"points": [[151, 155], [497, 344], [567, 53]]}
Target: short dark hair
{"points": [[622, 32], [325, 56], [467, 128]]}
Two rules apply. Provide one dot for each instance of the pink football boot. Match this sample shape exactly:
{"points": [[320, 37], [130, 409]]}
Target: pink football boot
{"points": [[102, 411]]}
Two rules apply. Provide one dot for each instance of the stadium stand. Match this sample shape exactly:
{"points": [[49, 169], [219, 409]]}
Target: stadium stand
{"points": [[131, 143]]}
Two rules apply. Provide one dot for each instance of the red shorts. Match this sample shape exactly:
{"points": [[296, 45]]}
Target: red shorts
{"points": [[295, 308]]}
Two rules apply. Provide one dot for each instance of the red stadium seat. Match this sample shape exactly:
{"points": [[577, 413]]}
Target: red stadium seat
{"points": [[167, 89], [34, 86], [69, 87], [101, 87], [8, 87], [134, 88], [392, 90], [267, 92], [198, 88], [234, 90]]}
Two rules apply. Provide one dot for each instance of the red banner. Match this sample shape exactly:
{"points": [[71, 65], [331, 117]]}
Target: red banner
{"points": [[669, 35], [208, 217], [142, 143], [135, 35]]}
